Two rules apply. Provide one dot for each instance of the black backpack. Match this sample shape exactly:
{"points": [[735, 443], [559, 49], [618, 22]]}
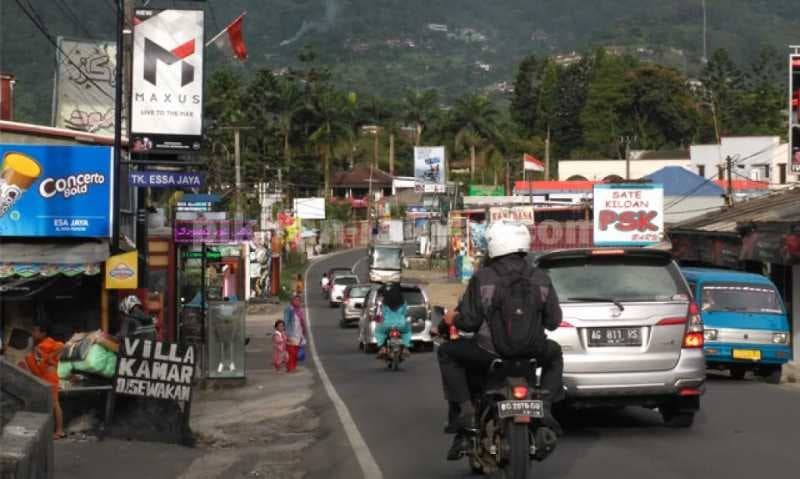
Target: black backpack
{"points": [[515, 319]]}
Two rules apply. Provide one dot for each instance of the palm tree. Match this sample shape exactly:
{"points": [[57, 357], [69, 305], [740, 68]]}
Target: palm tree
{"points": [[289, 101], [334, 128], [475, 118], [419, 108]]}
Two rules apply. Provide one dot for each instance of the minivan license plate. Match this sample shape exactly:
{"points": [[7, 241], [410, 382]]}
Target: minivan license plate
{"points": [[604, 337], [530, 408]]}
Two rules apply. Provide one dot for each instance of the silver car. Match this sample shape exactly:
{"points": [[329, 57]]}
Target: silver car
{"points": [[338, 284], [353, 303], [419, 315], [630, 334]]}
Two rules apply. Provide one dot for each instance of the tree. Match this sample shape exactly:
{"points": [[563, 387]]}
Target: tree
{"points": [[723, 83], [289, 102], [334, 128], [547, 108], [222, 108], [419, 109], [573, 88], [474, 119], [525, 101]]}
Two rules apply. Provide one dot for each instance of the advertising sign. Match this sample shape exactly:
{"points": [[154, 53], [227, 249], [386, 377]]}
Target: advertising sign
{"points": [[429, 169], [794, 108], [167, 91], [166, 179], [213, 231], [310, 208], [155, 369], [521, 214], [628, 214], [52, 191], [122, 271], [84, 97]]}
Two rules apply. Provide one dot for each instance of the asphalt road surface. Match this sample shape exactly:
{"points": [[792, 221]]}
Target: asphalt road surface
{"points": [[746, 429]]}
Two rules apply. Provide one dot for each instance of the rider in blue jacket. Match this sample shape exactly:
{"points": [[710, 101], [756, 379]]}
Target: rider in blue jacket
{"points": [[393, 314]]}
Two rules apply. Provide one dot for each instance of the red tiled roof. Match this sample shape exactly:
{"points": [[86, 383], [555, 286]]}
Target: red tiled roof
{"points": [[556, 185], [739, 185], [358, 177]]}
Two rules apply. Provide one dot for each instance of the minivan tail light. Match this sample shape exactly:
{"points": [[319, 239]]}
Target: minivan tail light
{"points": [[672, 322], [693, 341], [607, 252], [694, 336]]}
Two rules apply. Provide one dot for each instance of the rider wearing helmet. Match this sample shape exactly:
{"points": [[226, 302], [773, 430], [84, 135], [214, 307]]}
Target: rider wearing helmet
{"points": [[508, 244], [135, 322]]}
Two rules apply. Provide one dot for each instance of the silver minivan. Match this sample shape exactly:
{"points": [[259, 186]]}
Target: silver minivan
{"points": [[630, 333]]}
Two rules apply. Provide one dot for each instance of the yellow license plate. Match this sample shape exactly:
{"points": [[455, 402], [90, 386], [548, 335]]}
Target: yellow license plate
{"points": [[749, 354]]}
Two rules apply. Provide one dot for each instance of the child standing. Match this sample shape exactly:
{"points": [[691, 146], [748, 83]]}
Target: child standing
{"points": [[280, 355]]}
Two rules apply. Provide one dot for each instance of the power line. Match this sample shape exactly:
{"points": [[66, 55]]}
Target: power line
{"points": [[71, 16], [33, 16]]}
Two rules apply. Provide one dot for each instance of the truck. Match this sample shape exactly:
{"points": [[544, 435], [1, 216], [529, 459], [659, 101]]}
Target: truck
{"points": [[385, 263]]}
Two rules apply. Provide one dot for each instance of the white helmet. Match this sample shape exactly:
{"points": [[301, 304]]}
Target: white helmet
{"points": [[506, 237], [127, 304]]}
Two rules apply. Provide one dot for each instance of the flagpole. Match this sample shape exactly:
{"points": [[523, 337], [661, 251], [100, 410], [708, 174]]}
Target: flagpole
{"points": [[225, 30]]}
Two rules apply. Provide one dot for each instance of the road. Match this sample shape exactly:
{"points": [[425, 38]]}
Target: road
{"points": [[745, 429]]}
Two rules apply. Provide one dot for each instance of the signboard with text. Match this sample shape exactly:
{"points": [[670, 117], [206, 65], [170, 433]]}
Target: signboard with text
{"points": [[55, 191], [166, 179], [167, 91], [213, 231], [310, 208], [794, 115], [628, 214], [155, 369], [520, 214]]}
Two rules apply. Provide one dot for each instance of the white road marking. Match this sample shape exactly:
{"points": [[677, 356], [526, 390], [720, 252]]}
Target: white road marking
{"points": [[355, 265], [365, 459]]}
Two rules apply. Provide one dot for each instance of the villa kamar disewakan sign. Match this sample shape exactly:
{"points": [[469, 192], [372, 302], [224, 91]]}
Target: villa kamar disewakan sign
{"points": [[155, 369]]}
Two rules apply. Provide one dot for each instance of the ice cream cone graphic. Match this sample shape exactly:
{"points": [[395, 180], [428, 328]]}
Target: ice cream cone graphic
{"points": [[17, 173]]}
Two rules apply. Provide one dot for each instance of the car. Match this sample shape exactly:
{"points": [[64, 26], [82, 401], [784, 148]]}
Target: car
{"points": [[333, 272], [631, 336], [419, 313], [353, 303], [746, 326], [338, 284]]}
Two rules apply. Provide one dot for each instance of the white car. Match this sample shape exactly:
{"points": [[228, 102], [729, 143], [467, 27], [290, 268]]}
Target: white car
{"points": [[419, 315], [338, 285]]}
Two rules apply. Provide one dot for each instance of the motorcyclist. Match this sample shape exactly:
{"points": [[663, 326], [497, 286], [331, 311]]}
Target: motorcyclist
{"points": [[392, 316], [135, 322], [507, 243], [324, 282]]}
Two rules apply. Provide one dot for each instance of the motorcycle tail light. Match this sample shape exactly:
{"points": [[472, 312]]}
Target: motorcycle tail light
{"points": [[520, 392], [395, 333]]}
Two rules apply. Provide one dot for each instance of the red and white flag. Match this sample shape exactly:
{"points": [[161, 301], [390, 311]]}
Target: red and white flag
{"points": [[530, 163], [231, 38]]}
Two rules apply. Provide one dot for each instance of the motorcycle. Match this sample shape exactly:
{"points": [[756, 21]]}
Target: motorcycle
{"points": [[326, 291], [510, 416], [394, 350]]}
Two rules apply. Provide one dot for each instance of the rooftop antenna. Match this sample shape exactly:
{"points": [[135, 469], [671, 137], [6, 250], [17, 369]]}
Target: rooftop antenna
{"points": [[705, 35]]}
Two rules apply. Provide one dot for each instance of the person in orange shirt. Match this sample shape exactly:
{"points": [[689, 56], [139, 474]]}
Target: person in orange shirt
{"points": [[43, 363]]}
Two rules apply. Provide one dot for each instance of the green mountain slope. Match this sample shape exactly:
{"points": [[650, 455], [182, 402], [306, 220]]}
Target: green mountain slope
{"points": [[386, 46]]}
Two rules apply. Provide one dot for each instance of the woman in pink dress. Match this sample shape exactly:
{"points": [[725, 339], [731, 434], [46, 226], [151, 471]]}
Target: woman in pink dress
{"points": [[280, 355]]}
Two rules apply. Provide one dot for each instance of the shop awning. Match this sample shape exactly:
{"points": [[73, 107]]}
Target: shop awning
{"points": [[47, 259]]}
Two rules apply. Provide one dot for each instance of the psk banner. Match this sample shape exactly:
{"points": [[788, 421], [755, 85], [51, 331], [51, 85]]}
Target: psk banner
{"points": [[52, 191], [628, 214], [167, 91]]}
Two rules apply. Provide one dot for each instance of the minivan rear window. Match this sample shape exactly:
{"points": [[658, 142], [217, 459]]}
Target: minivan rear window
{"points": [[747, 298], [345, 280], [413, 297], [616, 278]]}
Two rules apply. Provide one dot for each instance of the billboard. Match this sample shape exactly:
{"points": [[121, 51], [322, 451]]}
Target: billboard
{"points": [[521, 214], [310, 208], [167, 91], [85, 82], [628, 214], [794, 108], [55, 191], [429, 169]]}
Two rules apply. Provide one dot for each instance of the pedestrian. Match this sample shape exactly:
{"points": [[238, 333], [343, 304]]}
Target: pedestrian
{"points": [[42, 362], [280, 355], [299, 285], [294, 319]]}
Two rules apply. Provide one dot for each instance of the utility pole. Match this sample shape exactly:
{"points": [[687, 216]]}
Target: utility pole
{"points": [[118, 94], [547, 155], [237, 153], [729, 167]]}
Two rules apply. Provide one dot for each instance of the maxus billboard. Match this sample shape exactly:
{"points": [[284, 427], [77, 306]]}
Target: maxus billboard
{"points": [[49, 191], [167, 91]]}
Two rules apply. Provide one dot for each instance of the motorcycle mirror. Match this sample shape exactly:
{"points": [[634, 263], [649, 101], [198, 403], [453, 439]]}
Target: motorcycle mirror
{"points": [[440, 310], [358, 306]]}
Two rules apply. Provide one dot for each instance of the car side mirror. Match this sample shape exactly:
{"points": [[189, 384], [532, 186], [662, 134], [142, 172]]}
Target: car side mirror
{"points": [[359, 306]]}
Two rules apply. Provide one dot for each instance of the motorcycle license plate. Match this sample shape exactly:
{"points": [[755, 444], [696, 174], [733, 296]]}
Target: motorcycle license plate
{"points": [[530, 408]]}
